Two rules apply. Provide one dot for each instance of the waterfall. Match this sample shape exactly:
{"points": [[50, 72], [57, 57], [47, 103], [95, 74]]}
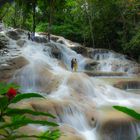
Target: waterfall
{"points": [[110, 61], [86, 97]]}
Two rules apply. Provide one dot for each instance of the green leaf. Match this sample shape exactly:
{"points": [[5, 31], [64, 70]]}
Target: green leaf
{"points": [[138, 138], [3, 103], [20, 97], [22, 121], [12, 111], [31, 136], [128, 111], [55, 134]]}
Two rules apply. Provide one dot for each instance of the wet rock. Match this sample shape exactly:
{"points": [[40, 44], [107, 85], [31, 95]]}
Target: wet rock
{"points": [[3, 51], [20, 31], [18, 62], [39, 39], [96, 73], [51, 106], [77, 83], [90, 64], [54, 50], [121, 129], [45, 81], [3, 41], [13, 35], [54, 38], [117, 125], [136, 70], [69, 133], [29, 130], [21, 42], [8, 69], [127, 85], [81, 50]]}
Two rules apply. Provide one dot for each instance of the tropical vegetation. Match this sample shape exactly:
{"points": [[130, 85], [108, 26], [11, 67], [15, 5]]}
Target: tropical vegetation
{"points": [[11, 119], [111, 24]]}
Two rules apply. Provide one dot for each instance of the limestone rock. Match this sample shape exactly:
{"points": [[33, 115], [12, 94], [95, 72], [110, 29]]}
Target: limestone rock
{"points": [[39, 39], [54, 50], [80, 49], [136, 70], [128, 84], [20, 31], [13, 35], [3, 41], [7, 70], [69, 133], [21, 42], [90, 64], [97, 73], [114, 124]]}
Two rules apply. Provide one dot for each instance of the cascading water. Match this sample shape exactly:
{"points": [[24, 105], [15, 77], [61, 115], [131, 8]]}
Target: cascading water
{"points": [[68, 55], [112, 62], [84, 94]]}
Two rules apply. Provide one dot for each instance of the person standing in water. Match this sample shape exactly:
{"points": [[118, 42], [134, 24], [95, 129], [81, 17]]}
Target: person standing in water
{"points": [[72, 63], [32, 36], [29, 36], [75, 65]]}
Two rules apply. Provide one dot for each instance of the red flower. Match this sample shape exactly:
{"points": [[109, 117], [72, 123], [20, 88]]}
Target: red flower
{"points": [[11, 93]]}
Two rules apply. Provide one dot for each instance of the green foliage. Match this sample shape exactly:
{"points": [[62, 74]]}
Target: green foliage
{"points": [[42, 27], [5, 87], [128, 111], [112, 24], [12, 112], [25, 96], [50, 134], [17, 117]]}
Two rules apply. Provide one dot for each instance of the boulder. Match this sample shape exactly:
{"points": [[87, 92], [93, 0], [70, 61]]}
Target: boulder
{"points": [[54, 50], [81, 50], [136, 70], [69, 133], [8, 70], [115, 125], [127, 84], [90, 64], [39, 39], [21, 42], [44, 79], [54, 37], [3, 41], [20, 31], [13, 35]]}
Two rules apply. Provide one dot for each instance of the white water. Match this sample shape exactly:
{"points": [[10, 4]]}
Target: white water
{"points": [[72, 86], [113, 62]]}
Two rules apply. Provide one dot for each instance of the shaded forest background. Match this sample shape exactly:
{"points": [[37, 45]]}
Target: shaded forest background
{"points": [[110, 24]]}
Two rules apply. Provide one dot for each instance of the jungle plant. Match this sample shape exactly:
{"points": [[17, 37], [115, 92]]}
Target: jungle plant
{"points": [[11, 119], [129, 112]]}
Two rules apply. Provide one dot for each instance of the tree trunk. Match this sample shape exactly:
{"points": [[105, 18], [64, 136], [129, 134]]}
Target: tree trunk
{"points": [[89, 15], [34, 15], [50, 18]]}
